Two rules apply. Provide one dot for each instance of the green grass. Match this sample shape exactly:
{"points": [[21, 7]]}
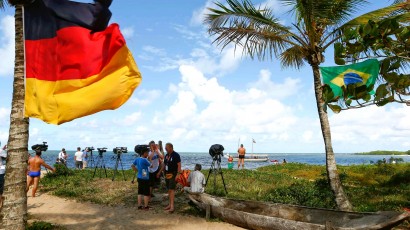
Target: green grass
{"points": [[369, 187]]}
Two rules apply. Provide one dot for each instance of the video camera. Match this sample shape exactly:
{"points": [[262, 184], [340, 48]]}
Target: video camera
{"points": [[42, 147], [119, 150], [140, 149], [216, 151], [102, 150], [90, 148]]}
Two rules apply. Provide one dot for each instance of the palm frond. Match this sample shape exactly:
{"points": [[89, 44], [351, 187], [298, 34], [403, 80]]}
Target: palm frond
{"points": [[377, 15], [3, 4], [293, 57], [256, 30]]}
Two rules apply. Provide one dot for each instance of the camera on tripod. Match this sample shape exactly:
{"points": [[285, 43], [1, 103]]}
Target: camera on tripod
{"points": [[101, 150], [140, 149], [90, 148], [216, 151], [42, 147], [119, 150]]}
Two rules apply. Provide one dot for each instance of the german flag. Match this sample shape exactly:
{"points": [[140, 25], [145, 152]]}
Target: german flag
{"points": [[76, 65]]}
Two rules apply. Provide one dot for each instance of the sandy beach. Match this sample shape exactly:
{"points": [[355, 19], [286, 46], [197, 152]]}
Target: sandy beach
{"points": [[75, 215]]}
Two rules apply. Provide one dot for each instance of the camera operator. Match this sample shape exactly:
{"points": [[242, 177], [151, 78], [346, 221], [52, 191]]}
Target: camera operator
{"points": [[156, 157], [62, 156], [142, 164], [34, 166]]}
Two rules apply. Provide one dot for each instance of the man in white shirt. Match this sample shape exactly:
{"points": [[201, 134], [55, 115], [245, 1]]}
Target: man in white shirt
{"points": [[196, 181], [156, 157], [78, 158], [62, 156]]}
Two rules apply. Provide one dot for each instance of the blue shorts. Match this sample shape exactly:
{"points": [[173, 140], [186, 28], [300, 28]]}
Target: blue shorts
{"points": [[34, 174]]}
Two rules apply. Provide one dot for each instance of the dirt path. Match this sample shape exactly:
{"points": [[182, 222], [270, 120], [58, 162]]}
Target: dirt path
{"points": [[75, 215]]}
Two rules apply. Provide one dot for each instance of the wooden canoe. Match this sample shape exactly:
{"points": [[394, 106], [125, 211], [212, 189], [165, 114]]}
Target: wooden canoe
{"points": [[263, 215]]}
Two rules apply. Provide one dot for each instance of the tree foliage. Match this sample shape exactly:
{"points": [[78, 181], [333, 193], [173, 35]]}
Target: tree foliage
{"points": [[388, 40]]}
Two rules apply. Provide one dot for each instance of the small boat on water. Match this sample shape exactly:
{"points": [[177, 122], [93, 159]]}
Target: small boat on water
{"points": [[251, 157], [264, 215]]}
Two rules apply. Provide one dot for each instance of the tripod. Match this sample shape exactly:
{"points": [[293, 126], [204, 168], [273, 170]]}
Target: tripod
{"points": [[118, 161], [216, 169], [91, 160], [100, 164]]}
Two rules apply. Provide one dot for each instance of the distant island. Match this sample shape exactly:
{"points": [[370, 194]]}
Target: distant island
{"points": [[385, 152]]}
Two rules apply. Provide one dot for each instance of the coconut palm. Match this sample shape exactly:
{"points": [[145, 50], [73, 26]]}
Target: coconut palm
{"points": [[317, 26], [14, 210]]}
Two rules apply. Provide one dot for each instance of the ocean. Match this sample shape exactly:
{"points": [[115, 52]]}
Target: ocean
{"points": [[188, 159]]}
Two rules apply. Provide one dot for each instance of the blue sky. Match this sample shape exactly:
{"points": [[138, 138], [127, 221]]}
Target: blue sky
{"points": [[195, 95]]}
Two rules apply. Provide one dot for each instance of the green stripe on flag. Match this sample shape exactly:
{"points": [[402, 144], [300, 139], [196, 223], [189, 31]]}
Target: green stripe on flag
{"points": [[337, 76]]}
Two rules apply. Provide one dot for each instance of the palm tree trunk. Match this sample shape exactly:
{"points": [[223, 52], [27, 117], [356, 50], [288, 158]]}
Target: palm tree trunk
{"points": [[341, 199], [14, 211]]}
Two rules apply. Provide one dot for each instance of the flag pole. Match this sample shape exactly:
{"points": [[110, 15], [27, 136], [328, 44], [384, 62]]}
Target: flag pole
{"points": [[252, 145]]}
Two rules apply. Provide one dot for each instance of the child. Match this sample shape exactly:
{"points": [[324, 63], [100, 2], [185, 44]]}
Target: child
{"points": [[141, 164]]}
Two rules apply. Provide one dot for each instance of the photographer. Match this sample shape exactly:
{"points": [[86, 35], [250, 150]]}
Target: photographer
{"points": [[155, 156], [34, 173], [141, 164], [62, 156]]}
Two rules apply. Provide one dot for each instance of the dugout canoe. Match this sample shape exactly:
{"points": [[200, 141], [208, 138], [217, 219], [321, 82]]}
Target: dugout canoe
{"points": [[263, 215]]}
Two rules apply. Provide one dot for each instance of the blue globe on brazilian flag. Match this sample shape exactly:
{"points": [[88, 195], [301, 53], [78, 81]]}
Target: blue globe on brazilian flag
{"points": [[337, 76]]}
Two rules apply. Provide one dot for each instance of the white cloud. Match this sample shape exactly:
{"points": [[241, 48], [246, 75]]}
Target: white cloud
{"points": [[128, 32], [154, 50], [130, 119], [203, 104], [291, 86], [4, 116], [198, 15], [307, 136], [388, 126], [7, 45], [145, 97]]}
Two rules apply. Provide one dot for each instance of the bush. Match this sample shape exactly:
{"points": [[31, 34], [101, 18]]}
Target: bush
{"points": [[399, 178], [41, 225]]}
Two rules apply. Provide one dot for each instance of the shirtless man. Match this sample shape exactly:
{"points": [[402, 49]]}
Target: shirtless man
{"points": [[34, 167], [241, 153]]}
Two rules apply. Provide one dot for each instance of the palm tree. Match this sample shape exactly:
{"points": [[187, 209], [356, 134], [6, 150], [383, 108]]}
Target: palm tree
{"points": [[318, 25], [14, 211]]}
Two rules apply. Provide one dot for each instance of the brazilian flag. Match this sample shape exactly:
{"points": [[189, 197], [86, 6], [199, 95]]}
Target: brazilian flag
{"points": [[337, 76]]}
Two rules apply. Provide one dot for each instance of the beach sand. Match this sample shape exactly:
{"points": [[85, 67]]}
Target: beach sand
{"points": [[75, 215]]}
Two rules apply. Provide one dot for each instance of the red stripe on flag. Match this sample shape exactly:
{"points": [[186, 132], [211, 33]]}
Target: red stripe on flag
{"points": [[74, 54]]}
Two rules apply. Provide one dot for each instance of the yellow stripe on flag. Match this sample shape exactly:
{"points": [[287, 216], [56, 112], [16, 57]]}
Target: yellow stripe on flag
{"points": [[57, 102]]}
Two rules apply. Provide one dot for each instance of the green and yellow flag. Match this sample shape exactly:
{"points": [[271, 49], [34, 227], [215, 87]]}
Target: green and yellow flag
{"points": [[337, 76]]}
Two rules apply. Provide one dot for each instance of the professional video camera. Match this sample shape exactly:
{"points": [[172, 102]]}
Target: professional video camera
{"points": [[140, 149], [216, 151], [119, 150], [102, 150], [43, 147], [90, 148]]}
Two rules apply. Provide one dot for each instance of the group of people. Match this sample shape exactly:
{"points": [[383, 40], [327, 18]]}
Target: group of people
{"points": [[150, 166], [80, 157]]}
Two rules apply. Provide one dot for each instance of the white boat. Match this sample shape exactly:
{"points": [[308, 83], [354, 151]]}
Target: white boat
{"points": [[251, 157]]}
